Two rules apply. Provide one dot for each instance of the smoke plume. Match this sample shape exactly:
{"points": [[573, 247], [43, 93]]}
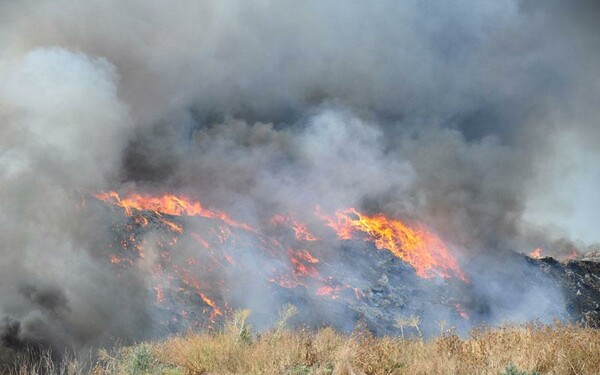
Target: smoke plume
{"points": [[478, 118]]}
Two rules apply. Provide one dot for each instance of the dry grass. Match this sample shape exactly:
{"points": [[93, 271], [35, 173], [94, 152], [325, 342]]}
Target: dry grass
{"points": [[519, 350], [532, 348], [560, 349]]}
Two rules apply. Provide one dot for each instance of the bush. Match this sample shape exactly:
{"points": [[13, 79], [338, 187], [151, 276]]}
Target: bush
{"points": [[141, 361], [513, 370]]}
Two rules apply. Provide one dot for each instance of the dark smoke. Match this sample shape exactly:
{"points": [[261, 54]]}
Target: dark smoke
{"points": [[478, 118]]}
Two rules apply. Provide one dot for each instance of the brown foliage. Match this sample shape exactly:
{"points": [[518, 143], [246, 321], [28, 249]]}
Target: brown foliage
{"points": [[557, 349]]}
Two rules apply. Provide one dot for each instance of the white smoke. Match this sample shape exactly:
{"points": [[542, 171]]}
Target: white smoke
{"points": [[63, 132]]}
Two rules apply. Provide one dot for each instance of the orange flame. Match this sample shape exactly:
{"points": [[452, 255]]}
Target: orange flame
{"points": [[536, 254], [462, 312], [210, 303], [300, 229], [160, 296], [328, 291], [306, 256], [302, 269], [188, 279], [116, 260], [416, 246], [167, 204], [173, 226], [141, 221], [200, 240]]}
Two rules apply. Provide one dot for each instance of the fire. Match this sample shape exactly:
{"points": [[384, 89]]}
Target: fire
{"points": [[536, 254], [200, 240], [462, 312], [572, 255], [141, 221], [328, 291], [300, 268], [307, 256], [188, 279], [160, 296], [116, 260], [210, 303], [300, 230], [174, 227], [416, 246], [220, 239], [167, 204]]}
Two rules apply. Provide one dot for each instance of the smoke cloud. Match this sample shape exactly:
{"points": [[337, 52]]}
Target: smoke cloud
{"points": [[478, 118]]}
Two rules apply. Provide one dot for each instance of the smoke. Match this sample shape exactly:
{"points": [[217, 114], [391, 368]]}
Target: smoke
{"points": [[477, 118], [63, 131]]}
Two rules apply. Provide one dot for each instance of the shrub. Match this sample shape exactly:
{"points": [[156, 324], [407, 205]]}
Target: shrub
{"points": [[513, 370], [141, 360]]}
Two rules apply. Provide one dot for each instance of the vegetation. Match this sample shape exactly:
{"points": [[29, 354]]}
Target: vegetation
{"points": [[517, 350]]}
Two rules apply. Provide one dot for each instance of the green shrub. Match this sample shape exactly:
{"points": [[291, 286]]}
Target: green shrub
{"points": [[300, 370], [513, 370], [141, 361]]}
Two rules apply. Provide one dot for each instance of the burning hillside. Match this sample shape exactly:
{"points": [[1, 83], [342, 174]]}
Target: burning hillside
{"points": [[368, 268], [189, 265]]}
